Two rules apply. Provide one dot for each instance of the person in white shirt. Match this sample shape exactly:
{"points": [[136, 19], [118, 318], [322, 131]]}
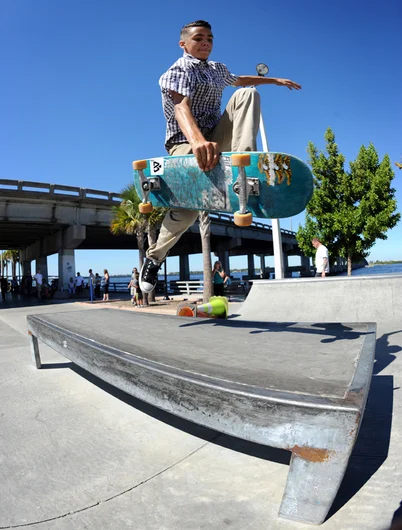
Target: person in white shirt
{"points": [[321, 258], [39, 283], [79, 283]]}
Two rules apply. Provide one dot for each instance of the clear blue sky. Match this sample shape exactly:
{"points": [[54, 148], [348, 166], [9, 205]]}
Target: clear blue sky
{"points": [[80, 99]]}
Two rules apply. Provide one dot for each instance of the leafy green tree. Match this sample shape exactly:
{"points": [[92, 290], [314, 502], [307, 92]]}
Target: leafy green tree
{"points": [[349, 211]]}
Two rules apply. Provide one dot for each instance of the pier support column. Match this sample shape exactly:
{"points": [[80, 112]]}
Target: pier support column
{"points": [[287, 273], [26, 267], [66, 267], [184, 267], [262, 266], [67, 240], [305, 263], [250, 265], [41, 263]]}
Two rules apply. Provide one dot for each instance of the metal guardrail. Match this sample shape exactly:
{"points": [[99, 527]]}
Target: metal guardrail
{"points": [[57, 190]]}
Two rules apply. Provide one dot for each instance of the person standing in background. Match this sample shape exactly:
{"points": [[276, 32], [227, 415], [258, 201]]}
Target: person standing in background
{"points": [[97, 286], [133, 286], [79, 283], [39, 284], [3, 282], [321, 258], [91, 284], [105, 283], [218, 276]]}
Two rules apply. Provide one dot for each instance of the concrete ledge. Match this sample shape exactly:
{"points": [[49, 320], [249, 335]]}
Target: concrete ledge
{"points": [[346, 299], [301, 387]]}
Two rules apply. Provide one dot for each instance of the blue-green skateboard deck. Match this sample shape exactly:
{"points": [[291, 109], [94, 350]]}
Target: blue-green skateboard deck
{"points": [[285, 184]]}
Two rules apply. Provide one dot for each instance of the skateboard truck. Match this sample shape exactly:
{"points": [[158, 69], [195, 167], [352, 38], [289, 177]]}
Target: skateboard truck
{"points": [[147, 185], [243, 187]]}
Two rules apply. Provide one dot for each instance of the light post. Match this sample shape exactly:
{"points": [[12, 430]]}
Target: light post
{"points": [[166, 297], [262, 70]]}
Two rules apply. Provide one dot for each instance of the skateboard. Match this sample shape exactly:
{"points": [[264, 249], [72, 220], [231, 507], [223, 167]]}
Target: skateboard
{"points": [[263, 185]]}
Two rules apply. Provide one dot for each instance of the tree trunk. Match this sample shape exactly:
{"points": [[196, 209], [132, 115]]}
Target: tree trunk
{"points": [[151, 241], [205, 231], [141, 249], [141, 256], [349, 265]]}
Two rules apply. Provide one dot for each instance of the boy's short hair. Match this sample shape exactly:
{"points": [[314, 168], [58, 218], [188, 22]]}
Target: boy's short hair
{"points": [[195, 24]]}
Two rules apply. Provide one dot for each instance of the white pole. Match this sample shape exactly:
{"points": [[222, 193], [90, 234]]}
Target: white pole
{"points": [[276, 229]]}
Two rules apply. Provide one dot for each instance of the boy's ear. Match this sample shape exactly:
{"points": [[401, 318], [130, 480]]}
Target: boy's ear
{"points": [[182, 44]]}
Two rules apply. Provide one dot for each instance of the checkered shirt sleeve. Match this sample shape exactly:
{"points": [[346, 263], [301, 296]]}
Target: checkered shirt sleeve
{"points": [[203, 83]]}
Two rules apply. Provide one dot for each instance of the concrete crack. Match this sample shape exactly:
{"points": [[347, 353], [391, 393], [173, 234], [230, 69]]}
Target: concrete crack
{"points": [[98, 503]]}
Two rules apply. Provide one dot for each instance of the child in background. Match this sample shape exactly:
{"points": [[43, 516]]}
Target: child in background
{"points": [[132, 287], [138, 297], [71, 287]]}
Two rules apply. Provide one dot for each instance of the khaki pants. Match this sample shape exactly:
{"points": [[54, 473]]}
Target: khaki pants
{"points": [[236, 131]]}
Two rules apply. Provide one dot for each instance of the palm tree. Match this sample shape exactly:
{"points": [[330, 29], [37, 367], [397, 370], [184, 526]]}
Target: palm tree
{"points": [[13, 256], [4, 263], [128, 220]]}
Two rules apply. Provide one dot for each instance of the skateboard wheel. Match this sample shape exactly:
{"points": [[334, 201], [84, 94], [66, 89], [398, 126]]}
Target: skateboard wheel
{"points": [[139, 164], [243, 219], [145, 207], [241, 160]]}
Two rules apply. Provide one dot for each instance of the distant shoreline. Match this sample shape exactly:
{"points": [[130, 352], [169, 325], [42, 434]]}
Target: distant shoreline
{"points": [[391, 262]]}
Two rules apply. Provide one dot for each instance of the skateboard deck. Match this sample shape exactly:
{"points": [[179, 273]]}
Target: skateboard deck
{"points": [[280, 185]]}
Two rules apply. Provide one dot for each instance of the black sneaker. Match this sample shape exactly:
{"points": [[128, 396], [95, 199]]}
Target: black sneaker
{"points": [[149, 275]]}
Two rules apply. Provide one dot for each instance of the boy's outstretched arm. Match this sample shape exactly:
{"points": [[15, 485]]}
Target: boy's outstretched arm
{"points": [[254, 80], [206, 153]]}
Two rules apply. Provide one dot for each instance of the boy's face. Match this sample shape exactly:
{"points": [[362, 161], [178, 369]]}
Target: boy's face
{"points": [[198, 43]]}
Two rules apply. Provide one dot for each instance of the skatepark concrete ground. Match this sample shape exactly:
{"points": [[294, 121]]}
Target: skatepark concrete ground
{"points": [[77, 453]]}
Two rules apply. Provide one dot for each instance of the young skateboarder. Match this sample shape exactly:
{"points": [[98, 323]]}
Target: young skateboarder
{"points": [[191, 97]]}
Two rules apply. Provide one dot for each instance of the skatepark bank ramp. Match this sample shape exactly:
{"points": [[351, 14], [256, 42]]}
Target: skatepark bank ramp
{"points": [[332, 299]]}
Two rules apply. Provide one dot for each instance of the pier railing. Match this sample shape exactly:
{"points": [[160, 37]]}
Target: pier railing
{"points": [[25, 187]]}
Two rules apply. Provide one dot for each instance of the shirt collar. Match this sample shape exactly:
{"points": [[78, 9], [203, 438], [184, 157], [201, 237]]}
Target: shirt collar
{"points": [[194, 60]]}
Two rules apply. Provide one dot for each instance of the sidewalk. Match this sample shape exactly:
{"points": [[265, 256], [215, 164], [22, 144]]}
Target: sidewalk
{"points": [[76, 453]]}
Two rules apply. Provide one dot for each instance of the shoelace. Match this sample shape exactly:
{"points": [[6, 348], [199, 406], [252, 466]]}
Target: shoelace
{"points": [[148, 270]]}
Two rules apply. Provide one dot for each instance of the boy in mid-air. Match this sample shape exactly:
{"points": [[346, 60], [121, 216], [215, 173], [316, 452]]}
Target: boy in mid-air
{"points": [[191, 97]]}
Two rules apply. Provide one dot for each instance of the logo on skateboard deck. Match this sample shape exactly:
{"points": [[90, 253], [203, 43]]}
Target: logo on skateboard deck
{"points": [[275, 167], [157, 166]]}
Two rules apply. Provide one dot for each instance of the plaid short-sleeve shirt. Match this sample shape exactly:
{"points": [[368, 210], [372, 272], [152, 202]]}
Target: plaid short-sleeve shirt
{"points": [[203, 82]]}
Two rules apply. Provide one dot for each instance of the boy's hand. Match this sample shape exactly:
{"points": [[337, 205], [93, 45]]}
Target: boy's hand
{"points": [[287, 82], [206, 153]]}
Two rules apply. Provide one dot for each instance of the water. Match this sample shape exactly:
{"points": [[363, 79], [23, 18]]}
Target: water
{"points": [[395, 268]]}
